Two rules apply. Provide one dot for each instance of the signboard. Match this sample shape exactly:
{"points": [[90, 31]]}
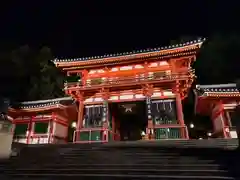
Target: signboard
{"points": [[149, 103], [127, 108], [105, 111]]}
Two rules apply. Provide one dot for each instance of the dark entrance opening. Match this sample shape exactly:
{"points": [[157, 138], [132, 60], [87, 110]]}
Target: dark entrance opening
{"points": [[130, 119]]}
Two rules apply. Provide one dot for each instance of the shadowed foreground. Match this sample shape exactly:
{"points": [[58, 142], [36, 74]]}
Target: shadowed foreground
{"points": [[128, 160]]}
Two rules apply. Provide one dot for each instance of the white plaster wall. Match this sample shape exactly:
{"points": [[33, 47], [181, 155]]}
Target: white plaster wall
{"points": [[5, 144], [218, 123], [233, 134], [59, 130]]}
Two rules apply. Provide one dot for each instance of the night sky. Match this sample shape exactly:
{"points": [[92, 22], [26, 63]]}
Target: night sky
{"points": [[89, 29]]}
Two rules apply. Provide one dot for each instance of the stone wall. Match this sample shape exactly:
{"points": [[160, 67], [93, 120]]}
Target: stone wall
{"points": [[6, 137]]}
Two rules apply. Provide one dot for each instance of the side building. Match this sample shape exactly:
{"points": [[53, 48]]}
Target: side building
{"points": [[218, 101], [44, 121]]}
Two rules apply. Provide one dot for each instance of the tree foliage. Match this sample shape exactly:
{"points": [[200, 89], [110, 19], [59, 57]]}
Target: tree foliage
{"points": [[218, 60], [28, 74]]}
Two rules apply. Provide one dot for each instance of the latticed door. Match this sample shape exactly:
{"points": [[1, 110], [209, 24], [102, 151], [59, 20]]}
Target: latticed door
{"points": [[93, 116], [164, 112]]}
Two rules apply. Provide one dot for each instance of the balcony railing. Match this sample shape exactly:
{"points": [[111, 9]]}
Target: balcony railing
{"points": [[116, 81]]}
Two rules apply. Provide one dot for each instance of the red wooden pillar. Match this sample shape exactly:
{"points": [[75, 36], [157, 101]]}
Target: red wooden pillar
{"points": [[50, 133], [225, 135], [80, 118], [113, 127], [180, 116], [148, 92], [29, 131]]}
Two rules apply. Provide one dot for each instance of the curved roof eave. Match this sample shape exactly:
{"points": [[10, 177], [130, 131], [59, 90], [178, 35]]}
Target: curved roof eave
{"points": [[128, 55], [220, 90], [41, 104]]}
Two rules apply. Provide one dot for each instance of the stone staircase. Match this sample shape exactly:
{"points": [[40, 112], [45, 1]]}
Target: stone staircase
{"points": [[127, 160]]}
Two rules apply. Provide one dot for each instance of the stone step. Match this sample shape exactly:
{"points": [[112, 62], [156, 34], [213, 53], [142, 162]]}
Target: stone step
{"points": [[149, 156], [138, 166], [129, 171], [119, 160], [124, 160], [232, 143], [142, 155], [53, 176]]}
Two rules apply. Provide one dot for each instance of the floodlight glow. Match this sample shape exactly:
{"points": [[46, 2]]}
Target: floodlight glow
{"points": [[191, 125], [74, 125]]}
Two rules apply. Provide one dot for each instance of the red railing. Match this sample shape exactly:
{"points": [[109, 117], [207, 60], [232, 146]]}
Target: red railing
{"points": [[129, 80], [94, 135]]}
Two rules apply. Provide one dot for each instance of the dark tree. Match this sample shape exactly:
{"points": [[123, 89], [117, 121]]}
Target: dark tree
{"points": [[29, 74], [47, 83], [218, 60]]}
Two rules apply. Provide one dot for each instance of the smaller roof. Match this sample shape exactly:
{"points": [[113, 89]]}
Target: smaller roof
{"points": [[218, 90], [44, 103]]}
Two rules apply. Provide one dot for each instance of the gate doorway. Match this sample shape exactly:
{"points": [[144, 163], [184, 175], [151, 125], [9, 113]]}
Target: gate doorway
{"points": [[130, 119]]}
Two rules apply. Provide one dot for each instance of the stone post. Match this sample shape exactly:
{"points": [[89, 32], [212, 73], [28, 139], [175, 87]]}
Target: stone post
{"points": [[6, 138]]}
